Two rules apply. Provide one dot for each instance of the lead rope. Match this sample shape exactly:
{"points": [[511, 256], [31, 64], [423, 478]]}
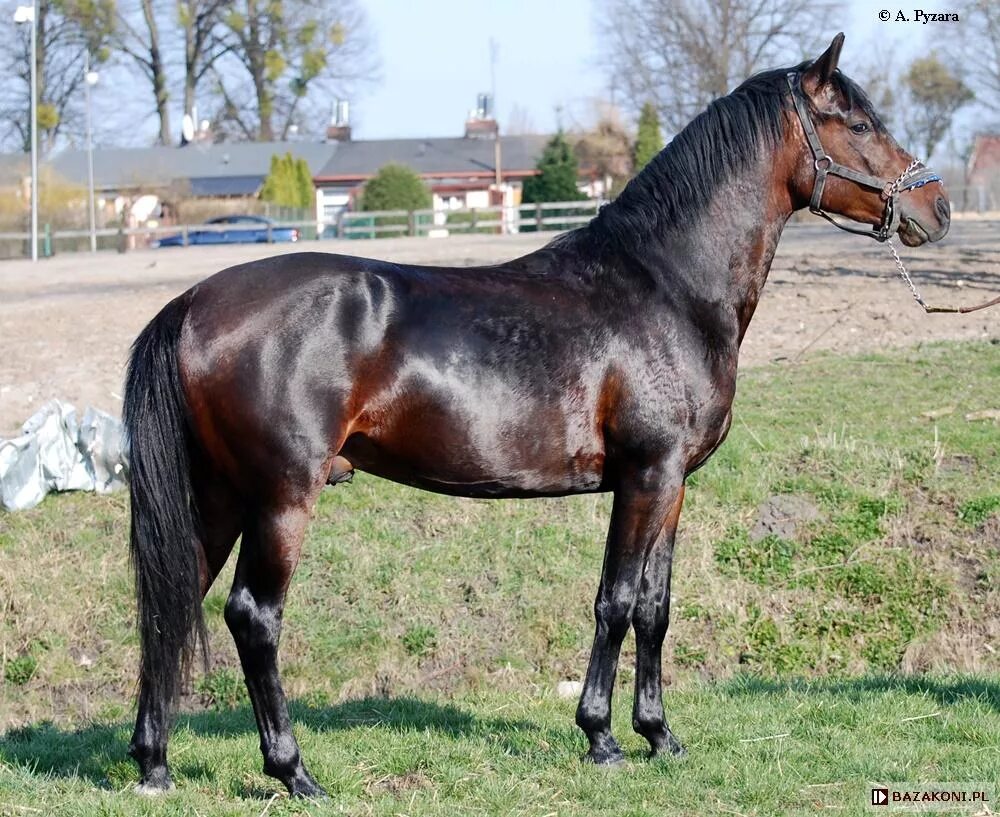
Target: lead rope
{"points": [[890, 191]]}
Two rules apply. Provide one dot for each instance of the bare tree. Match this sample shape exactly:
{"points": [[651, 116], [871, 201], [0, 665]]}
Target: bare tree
{"points": [[877, 72], [519, 121], [973, 50], [67, 31], [138, 36], [681, 54], [605, 148], [295, 55], [199, 23]]}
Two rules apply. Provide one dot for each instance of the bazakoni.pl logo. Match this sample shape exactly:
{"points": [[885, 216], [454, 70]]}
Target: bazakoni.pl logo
{"points": [[931, 796]]}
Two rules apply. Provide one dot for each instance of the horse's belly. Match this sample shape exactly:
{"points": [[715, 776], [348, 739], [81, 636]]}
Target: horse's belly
{"points": [[451, 461]]}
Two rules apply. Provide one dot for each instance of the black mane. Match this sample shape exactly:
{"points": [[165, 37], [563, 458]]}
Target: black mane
{"points": [[722, 141]]}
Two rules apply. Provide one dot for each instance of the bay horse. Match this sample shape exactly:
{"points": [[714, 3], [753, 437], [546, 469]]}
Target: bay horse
{"points": [[605, 361]]}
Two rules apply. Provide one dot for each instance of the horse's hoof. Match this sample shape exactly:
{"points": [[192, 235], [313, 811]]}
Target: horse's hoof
{"points": [[306, 788], [671, 747], [606, 755], [609, 760], [148, 789]]}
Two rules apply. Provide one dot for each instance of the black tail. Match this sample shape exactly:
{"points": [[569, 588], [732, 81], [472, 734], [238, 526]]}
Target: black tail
{"points": [[164, 517]]}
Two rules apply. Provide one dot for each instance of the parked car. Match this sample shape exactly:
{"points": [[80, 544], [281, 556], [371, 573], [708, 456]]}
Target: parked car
{"points": [[233, 230]]}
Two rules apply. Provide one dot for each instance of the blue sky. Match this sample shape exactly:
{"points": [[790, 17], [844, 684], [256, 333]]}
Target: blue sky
{"points": [[436, 58]]}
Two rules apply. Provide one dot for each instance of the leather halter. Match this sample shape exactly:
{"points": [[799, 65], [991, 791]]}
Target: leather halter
{"points": [[916, 175]]}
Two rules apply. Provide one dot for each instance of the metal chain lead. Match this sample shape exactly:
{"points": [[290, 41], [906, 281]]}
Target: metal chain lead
{"points": [[905, 275], [889, 192]]}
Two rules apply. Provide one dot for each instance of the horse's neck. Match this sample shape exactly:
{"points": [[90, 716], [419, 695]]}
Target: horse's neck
{"points": [[727, 253]]}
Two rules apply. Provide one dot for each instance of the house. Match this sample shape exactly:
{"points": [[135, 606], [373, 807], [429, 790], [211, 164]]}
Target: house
{"points": [[982, 176], [480, 169], [460, 171]]}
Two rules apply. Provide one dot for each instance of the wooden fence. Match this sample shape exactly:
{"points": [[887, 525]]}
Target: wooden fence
{"points": [[548, 216]]}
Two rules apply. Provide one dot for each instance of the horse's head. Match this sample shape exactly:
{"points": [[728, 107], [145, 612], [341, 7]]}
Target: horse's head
{"points": [[850, 164]]}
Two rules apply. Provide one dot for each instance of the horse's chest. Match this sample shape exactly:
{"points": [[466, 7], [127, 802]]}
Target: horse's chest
{"points": [[676, 410]]}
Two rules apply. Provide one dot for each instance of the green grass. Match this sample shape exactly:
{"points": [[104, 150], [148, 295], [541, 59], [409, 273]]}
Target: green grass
{"points": [[424, 635], [978, 510], [756, 747]]}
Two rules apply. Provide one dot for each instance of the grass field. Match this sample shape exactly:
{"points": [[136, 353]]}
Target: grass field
{"points": [[425, 635]]}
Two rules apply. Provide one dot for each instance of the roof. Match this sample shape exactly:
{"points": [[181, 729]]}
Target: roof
{"points": [[984, 162], [445, 157], [225, 169], [239, 168]]}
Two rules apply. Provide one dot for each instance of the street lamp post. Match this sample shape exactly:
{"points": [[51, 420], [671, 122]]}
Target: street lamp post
{"points": [[90, 80], [26, 14]]}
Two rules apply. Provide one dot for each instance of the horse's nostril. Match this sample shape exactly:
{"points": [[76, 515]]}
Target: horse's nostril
{"points": [[942, 208]]}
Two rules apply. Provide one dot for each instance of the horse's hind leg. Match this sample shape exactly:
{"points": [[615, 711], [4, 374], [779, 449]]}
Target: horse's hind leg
{"points": [[268, 557], [650, 621], [219, 512]]}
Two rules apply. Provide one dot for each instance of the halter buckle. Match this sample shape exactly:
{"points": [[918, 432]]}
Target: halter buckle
{"points": [[822, 164]]}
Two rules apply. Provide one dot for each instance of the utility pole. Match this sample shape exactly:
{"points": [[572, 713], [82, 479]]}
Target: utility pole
{"points": [[28, 14], [90, 79], [497, 149]]}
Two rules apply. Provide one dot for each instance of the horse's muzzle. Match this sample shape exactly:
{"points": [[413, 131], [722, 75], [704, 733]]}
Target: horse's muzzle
{"points": [[915, 229]]}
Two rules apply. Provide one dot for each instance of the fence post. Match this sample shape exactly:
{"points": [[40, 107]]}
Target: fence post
{"points": [[184, 236], [474, 221], [270, 236], [47, 241], [340, 222], [411, 222], [538, 216]]}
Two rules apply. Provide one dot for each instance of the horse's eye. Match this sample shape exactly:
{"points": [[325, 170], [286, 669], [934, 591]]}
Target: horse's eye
{"points": [[861, 127]]}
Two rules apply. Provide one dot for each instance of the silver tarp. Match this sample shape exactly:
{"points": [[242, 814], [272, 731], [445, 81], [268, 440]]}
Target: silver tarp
{"points": [[57, 452]]}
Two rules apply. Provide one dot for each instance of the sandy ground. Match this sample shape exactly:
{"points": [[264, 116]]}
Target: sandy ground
{"points": [[66, 323]]}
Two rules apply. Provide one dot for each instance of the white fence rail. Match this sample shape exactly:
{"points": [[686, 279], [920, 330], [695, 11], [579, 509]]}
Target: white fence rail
{"points": [[354, 225]]}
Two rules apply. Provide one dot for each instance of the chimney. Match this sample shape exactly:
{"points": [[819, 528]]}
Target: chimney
{"points": [[339, 129], [481, 123]]}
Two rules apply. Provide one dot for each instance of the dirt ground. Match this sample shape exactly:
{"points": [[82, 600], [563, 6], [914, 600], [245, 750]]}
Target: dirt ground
{"points": [[66, 323]]}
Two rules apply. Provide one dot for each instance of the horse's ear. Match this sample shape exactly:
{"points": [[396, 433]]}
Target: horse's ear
{"points": [[820, 72]]}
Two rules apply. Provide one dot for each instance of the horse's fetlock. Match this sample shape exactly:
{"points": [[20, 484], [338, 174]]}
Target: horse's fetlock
{"points": [[649, 725], [591, 719], [281, 757]]}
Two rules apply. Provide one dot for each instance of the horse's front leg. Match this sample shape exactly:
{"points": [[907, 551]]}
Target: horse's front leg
{"points": [[643, 502], [650, 621]]}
